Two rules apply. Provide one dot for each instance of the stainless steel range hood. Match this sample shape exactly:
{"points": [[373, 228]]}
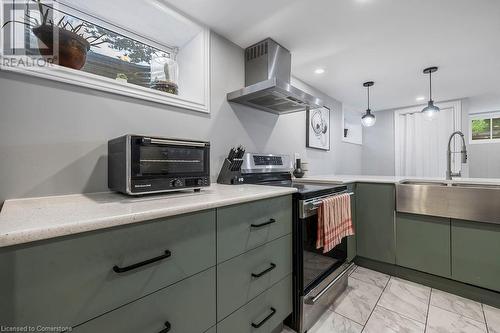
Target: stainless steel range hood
{"points": [[267, 81]]}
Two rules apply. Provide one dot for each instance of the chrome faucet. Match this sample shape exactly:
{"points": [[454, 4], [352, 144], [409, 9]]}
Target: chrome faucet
{"points": [[449, 173]]}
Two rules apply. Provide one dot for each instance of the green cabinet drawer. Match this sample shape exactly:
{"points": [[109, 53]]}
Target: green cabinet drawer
{"points": [[475, 249], [351, 240], [244, 227], [188, 307], [75, 274], [423, 243], [274, 305], [238, 279], [375, 209]]}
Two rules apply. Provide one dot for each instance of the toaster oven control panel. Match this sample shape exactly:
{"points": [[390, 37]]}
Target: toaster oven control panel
{"points": [[139, 186]]}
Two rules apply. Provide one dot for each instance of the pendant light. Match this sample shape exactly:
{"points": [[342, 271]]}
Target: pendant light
{"points": [[368, 118], [430, 110]]}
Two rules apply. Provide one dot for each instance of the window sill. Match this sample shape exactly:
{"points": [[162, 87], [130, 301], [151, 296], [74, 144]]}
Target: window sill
{"points": [[88, 80]]}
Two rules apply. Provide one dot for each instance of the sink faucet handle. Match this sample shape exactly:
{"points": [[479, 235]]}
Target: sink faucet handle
{"points": [[464, 156]]}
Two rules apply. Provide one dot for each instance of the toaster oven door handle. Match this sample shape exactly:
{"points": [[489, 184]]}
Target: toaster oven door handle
{"points": [[174, 142], [315, 299]]}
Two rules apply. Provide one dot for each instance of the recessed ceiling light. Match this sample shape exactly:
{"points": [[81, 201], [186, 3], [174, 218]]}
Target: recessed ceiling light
{"points": [[319, 71], [420, 98]]}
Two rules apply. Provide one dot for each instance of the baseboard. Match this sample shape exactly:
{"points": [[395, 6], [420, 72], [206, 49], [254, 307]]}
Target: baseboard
{"points": [[478, 294]]}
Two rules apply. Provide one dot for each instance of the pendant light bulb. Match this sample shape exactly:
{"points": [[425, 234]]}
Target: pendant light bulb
{"points": [[368, 118], [431, 110]]}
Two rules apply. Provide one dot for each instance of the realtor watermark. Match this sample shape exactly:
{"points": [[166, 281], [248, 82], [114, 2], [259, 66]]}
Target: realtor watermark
{"points": [[28, 36], [38, 328]]}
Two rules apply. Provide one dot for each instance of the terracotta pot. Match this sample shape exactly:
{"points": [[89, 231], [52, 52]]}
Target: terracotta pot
{"points": [[72, 47]]}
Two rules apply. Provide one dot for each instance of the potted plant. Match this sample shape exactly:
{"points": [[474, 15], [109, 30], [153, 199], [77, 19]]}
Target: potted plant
{"points": [[70, 41], [121, 77]]}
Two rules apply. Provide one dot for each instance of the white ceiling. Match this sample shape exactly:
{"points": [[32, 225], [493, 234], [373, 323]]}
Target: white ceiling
{"points": [[387, 41]]}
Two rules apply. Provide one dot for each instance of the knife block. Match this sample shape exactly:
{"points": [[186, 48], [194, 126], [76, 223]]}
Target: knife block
{"points": [[230, 173]]}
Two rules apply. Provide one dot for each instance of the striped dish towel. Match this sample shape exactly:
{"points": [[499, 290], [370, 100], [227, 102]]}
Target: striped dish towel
{"points": [[334, 221]]}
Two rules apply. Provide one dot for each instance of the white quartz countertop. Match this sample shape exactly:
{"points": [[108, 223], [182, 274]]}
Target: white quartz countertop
{"points": [[28, 220], [345, 179]]}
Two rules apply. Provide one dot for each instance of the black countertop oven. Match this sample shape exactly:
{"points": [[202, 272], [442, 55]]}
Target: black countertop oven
{"points": [[141, 165]]}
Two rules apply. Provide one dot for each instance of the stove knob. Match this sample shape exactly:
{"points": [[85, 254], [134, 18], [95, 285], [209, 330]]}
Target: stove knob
{"points": [[177, 183]]}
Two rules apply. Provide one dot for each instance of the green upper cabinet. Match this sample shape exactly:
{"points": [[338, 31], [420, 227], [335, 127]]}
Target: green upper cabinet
{"points": [[423, 243], [375, 206], [351, 240], [475, 249]]}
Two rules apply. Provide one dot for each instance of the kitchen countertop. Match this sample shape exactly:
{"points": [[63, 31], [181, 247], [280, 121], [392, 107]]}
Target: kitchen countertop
{"points": [[33, 219], [345, 179]]}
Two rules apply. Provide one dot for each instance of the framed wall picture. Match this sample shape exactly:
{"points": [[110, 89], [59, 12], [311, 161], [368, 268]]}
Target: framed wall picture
{"points": [[318, 128]]}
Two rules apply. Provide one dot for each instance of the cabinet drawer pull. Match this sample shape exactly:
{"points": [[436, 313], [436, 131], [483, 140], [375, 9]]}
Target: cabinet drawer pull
{"points": [[258, 275], [273, 312], [271, 221], [142, 263], [167, 328]]}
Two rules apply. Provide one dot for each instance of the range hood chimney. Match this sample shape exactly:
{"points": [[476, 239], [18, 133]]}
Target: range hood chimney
{"points": [[267, 81]]}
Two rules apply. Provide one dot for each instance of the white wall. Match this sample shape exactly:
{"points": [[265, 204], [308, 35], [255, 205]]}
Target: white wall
{"points": [[378, 142], [378, 146], [53, 136], [484, 159]]}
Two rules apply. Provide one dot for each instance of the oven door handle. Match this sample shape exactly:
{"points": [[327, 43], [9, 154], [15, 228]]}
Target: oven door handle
{"points": [[314, 299]]}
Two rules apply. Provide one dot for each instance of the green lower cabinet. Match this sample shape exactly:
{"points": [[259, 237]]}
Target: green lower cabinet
{"points": [[185, 307], [264, 313], [243, 227], [423, 243], [476, 253], [351, 240], [375, 206], [241, 279], [78, 277]]}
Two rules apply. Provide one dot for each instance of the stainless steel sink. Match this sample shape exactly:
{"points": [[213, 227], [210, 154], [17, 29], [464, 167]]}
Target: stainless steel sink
{"points": [[487, 186], [466, 201], [423, 183]]}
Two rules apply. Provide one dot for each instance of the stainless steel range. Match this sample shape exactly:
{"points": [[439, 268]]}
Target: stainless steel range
{"points": [[318, 278]]}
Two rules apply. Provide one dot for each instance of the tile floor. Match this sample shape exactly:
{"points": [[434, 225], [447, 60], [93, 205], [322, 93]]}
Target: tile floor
{"points": [[379, 303]]}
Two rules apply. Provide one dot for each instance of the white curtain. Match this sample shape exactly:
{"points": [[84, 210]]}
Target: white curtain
{"points": [[422, 143]]}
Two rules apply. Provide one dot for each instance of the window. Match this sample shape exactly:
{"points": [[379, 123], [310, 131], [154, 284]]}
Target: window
{"points": [[481, 129], [495, 128], [111, 54], [485, 128], [163, 58]]}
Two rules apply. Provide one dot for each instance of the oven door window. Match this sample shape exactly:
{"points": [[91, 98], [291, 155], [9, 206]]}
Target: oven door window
{"points": [[316, 264], [162, 160]]}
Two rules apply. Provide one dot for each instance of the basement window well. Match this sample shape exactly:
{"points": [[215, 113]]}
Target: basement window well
{"points": [[141, 49]]}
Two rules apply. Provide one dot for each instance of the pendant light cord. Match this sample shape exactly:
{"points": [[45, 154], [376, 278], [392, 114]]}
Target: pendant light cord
{"points": [[430, 86], [368, 94]]}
